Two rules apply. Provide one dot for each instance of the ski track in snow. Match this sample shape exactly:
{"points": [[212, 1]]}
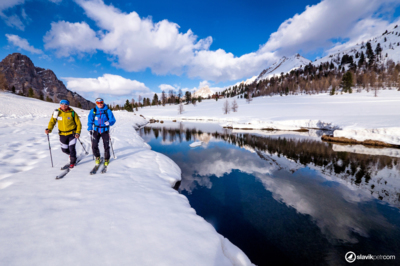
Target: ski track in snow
{"points": [[127, 216]]}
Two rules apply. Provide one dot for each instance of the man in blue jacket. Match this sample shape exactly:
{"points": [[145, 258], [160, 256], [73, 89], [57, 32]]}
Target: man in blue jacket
{"points": [[99, 121]]}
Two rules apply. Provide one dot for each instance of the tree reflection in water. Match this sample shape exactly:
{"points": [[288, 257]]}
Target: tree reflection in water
{"points": [[353, 167]]}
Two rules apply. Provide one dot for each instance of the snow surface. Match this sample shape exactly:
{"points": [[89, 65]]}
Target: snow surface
{"points": [[195, 144], [128, 216], [359, 116]]}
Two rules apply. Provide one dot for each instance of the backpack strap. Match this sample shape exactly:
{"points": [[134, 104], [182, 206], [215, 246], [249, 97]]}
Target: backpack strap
{"points": [[94, 113]]}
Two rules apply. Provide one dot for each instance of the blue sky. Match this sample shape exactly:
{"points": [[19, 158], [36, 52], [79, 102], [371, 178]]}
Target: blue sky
{"points": [[121, 49]]}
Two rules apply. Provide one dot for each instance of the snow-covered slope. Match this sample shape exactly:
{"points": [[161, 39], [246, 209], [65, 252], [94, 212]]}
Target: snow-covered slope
{"points": [[128, 216], [284, 65]]}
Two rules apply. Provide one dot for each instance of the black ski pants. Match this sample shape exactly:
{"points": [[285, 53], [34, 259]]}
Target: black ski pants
{"points": [[106, 142], [68, 146]]}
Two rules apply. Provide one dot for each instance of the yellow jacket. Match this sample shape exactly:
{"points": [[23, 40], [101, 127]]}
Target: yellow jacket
{"points": [[68, 122]]}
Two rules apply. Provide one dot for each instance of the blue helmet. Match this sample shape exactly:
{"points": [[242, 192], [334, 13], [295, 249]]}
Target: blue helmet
{"points": [[66, 102]]}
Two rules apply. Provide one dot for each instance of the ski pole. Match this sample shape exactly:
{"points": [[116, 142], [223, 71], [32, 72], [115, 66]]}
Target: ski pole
{"points": [[83, 146], [111, 144], [48, 139]]}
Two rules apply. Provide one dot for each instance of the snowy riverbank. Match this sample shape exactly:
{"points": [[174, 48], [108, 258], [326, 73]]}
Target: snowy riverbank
{"points": [[359, 116], [128, 216]]}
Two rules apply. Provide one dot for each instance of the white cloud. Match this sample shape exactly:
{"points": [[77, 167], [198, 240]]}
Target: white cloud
{"points": [[71, 38], [222, 66], [22, 44], [14, 20], [202, 84], [108, 84], [138, 43], [320, 23], [5, 4], [167, 87]]}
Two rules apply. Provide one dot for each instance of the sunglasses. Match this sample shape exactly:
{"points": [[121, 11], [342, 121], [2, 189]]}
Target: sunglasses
{"points": [[99, 102], [64, 104]]}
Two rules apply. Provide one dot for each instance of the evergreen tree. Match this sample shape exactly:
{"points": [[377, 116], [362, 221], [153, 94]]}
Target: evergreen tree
{"points": [[30, 93], [179, 95], [155, 99], [370, 54], [347, 82], [13, 89], [48, 99], [188, 96], [378, 49], [362, 59], [163, 98], [128, 106]]}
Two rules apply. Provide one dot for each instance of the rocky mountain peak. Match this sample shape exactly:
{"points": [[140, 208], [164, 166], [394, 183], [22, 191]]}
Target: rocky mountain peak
{"points": [[21, 73], [203, 92]]}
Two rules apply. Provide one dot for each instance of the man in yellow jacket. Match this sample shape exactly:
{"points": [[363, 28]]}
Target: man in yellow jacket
{"points": [[69, 127]]}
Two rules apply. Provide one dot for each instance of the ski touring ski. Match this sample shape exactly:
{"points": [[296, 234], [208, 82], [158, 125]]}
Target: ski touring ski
{"points": [[96, 167], [104, 170], [65, 167], [66, 170]]}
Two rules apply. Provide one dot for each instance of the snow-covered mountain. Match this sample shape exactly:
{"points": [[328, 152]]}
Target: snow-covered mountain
{"points": [[284, 65], [389, 41], [203, 92]]}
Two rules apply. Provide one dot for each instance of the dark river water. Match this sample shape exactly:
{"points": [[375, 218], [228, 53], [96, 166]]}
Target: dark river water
{"points": [[288, 198]]}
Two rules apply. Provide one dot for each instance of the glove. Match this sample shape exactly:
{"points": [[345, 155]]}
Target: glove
{"points": [[47, 131], [77, 135], [107, 123]]}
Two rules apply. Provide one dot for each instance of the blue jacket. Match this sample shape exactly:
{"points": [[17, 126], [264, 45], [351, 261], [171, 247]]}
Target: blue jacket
{"points": [[96, 122]]}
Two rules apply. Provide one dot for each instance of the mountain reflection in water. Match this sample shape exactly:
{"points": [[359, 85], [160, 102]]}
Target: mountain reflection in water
{"points": [[337, 191]]}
